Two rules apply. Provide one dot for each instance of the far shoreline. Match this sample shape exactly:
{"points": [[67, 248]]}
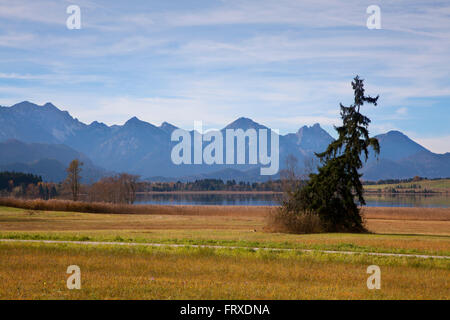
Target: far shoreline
{"points": [[367, 192], [209, 192]]}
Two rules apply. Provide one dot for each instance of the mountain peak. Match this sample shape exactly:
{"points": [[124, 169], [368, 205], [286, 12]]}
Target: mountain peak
{"points": [[314, 130], [27, 106], [133, 121], [313, 138], [51, 107], [167, 127], [395, 133], [315, 127], [96, 124], [396, 145], [244, 124], [24, 104]]}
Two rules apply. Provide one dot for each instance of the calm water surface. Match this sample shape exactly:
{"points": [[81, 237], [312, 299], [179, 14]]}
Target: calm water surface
{"points": [[404, 200]]}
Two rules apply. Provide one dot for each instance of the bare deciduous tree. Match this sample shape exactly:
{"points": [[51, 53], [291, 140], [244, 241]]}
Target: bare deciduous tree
{"points": [[73, 179], [127, 187], [290, 174]]}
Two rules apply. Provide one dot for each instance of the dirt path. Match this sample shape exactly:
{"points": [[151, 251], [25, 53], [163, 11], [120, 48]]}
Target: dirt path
{"points": [[226, 247]]}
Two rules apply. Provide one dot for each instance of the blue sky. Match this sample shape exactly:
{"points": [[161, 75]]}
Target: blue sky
{"points": [[283, 63]]}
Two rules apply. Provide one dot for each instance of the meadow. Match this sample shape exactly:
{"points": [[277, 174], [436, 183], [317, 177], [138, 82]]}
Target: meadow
{"points": [[440, 185], [37, 270]]}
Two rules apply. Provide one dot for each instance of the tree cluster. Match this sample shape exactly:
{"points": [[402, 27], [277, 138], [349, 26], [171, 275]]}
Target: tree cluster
{"points": [[116, 189]]}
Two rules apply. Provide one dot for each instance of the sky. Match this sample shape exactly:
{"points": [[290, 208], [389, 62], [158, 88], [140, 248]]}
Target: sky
{"points": [[282, 63]]}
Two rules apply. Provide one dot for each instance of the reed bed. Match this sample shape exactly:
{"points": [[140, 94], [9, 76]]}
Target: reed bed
{"points": [[102, 207], [380, 213]]}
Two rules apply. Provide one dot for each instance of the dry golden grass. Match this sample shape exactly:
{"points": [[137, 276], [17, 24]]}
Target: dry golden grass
{"points": [[409, 226], [54, 220], [222, 230], [379, 220], [100, 207], [39, 272], [430, 221], [408, 220], [395, 213]]}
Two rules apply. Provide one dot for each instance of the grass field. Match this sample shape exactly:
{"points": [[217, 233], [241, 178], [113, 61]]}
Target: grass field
{"points": [[30, 270], [441, 185], [143, 273]]}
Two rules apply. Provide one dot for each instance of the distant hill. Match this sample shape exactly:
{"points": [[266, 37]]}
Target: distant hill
{"points": [[397, 146], [400, 157], [13, 150], [47, 160], [142, 148], [49, 169]]}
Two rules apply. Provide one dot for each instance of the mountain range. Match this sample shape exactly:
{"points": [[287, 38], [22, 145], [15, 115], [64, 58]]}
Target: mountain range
{"points": [[44, 139]]}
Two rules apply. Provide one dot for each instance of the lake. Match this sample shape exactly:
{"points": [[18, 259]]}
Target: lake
{"points": [[394, 200]]}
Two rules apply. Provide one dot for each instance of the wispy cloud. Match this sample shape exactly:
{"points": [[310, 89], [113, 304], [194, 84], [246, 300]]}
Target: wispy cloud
{"points": [[285, 63]]}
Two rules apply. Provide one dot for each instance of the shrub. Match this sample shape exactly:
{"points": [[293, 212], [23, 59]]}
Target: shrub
{"points": [[286, 221]]}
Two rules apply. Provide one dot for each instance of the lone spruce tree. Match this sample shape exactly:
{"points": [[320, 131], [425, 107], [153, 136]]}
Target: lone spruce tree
{"points": [[335, 192]]}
